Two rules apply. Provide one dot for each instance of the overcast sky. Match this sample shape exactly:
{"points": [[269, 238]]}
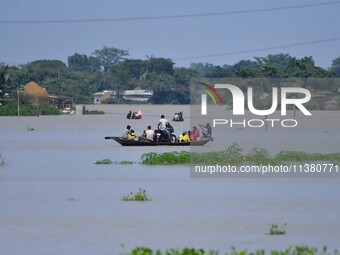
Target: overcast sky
{"points": [[231, 37]]}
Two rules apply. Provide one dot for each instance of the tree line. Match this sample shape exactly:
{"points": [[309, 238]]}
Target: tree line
{"points": [[111, 68]]}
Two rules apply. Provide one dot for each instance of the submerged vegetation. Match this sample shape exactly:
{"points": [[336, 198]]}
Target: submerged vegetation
{"points": [[109, 162], [93, 112], [141, 195], [167, 158], [233, 155], [2, 161], [124, 162], [298, 250], [276, 229], [104, 162], [29, 128]]}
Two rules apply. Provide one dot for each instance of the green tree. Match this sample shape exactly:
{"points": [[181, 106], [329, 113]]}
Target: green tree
{"points": [[202, 69], [305, 68], [336, 66], [109, 56], [160, 65], [40, 70], [3, 78], [136, 68], [83, 63], [219, 72], [280, 61]]}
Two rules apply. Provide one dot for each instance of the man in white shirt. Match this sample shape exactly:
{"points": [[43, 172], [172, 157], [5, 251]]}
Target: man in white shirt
{"points": [[162, 123], [126, 131], [149, 133]]}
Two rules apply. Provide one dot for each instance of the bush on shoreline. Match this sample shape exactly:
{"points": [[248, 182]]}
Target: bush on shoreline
{"points": [[11, 109]]}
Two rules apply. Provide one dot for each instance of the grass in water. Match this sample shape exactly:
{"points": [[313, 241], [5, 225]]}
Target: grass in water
{"points": [[2, 162], [124, 162], [141, 195], [233, 155], [104, 162], [93, 112], [297, 250], [167, 158], [30, 128], [276, 229], [108, 162]]}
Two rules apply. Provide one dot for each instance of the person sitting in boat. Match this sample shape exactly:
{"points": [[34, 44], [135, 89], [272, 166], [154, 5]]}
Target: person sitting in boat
{"points": [[126, 131], [138, 115], [149, 133], [180, 116], [195, 134], [134, 115], [184, 137], [206, 130], [132, 135]]}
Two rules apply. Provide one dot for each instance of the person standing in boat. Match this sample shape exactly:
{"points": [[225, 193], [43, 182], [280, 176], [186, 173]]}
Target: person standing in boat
{"points": [[162, 125], [126, 131], [206, 130]]}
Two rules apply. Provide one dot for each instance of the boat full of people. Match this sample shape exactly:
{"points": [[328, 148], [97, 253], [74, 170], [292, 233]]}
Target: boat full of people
{"points": [[134, 115], [146, 142], [164, 135]]}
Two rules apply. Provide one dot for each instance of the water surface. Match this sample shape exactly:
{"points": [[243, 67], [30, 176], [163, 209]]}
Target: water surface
{"points": [[55, 200]]}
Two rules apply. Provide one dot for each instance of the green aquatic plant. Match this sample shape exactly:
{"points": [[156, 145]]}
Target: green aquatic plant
{"points": [[276, 229], [141, 195], [124, 162], [93, 112], [233, 156], [167, 158], [104, 162], [29, 128], [294, 250], [2, 162], [184, 251]]}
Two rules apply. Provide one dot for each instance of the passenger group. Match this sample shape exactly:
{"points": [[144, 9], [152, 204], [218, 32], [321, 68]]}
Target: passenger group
{"points": [[164, 133]]}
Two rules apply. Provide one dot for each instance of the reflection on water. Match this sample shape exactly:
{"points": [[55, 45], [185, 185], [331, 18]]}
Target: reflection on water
{"points": [[55, 200]]}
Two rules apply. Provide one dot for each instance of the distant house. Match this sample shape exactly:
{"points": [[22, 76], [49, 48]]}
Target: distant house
{"points": [[135, 95], [36, 93], [100, 97], [61, 102]]}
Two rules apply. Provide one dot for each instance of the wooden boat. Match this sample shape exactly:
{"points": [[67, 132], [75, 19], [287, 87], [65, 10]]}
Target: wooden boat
{"points": [[146, 142], [179, 120], [134, 115]]}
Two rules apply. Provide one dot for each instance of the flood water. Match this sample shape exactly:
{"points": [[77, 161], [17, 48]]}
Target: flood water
{"points": [[55, 200]]}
